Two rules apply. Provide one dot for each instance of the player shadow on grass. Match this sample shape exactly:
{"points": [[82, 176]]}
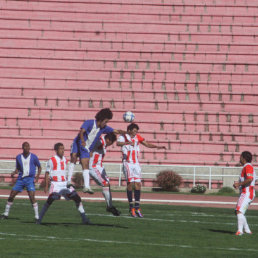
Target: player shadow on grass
{"points": [[67, 224], [222, 231]]}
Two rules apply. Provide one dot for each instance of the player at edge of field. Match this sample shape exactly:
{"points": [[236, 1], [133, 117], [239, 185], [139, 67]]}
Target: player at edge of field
{"points": [[56, 171], [245, 185], [85, 141], [98, 172], [131, 167], [26, 164]]}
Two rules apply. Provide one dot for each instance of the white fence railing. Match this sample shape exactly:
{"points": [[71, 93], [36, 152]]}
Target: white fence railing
{"points": [[193, 173]]}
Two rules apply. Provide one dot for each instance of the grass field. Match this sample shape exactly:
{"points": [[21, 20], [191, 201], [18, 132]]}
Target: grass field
{"points": [[166, 231]]}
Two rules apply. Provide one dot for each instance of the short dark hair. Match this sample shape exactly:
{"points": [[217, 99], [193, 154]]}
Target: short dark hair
{"points": [[103, 114], [57, 146], [247, 156], [24, 144], [131, 126], [111, 137]]}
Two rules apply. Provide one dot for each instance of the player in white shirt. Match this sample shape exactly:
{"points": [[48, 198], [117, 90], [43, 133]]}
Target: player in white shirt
{"points": [[56, 173], [246, 186], [130, 144], [98, 172]]}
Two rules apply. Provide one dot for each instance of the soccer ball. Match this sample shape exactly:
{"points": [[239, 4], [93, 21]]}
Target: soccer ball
{"points": [[128, 116]]}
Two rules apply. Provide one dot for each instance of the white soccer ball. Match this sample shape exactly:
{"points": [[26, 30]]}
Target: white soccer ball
{"points": [[128, 116]]}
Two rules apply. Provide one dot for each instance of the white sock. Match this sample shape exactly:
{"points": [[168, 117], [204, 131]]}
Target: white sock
{"points": [[7, 208], [80, 208], [107, 195], [36, 210], [240, 222], [86, 177], [246, 227], [70, 171]]}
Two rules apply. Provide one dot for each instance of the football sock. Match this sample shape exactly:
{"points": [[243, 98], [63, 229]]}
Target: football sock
{"points": [[246, 227], [137, 195], [70, 171], [86, 177], [7, 208], [43, 211], [130, 198], [107, 195], [240, 222], [80, 208], [36, 210]]}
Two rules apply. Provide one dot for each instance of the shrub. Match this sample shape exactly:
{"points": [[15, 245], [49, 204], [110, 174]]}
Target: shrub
{"points": [[78, 180], [227, 190], [169, 180], [198, 189]]}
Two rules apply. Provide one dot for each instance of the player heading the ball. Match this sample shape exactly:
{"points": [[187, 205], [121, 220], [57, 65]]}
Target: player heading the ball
{"points": [[130, 143], [85, 141]]}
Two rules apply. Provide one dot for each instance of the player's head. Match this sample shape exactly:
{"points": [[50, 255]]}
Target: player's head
{"points": [[26, 148], [103, 116], [59, 148], [110, 138], [246, 157], [132, 129]]}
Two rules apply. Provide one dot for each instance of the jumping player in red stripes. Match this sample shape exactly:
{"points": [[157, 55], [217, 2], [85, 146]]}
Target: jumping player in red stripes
{"points": [[246, 185], [132, 171], [98, 172]]}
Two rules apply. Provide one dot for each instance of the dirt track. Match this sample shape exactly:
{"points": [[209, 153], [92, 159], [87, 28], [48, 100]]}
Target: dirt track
{"points": [[161, 198]]}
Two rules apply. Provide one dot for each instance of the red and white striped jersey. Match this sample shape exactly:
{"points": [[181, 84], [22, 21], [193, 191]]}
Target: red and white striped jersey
{"points": [[248, 173], [98, 153], [131, 152], [57, 168]]}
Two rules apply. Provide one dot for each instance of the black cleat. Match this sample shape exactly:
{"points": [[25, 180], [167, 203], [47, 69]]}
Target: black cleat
{"points": [[113, 210], [37, 221], [3, 217], [87, 222]]}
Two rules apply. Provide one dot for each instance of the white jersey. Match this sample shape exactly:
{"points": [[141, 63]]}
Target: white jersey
{"points": [[98, 153], [57, 169], [131, 152], [248, 172]]}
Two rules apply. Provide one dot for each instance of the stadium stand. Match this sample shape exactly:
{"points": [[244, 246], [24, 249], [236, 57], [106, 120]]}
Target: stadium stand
{"points": [[187, 71]]}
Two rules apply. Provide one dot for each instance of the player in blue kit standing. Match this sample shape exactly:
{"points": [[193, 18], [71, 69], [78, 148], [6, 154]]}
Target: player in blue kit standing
{"points": [[85, 141], [26, 164]]}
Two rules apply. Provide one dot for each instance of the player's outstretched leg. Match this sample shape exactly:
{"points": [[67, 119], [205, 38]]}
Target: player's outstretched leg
{"points": [[78, 202], [108, 197], [52, 197]]}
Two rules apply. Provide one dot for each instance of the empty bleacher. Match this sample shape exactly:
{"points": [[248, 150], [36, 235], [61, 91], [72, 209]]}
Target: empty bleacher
{"points": [[187, 70]]}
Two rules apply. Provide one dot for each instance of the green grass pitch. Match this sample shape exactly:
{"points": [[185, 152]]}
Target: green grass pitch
{"points": [[165, 231]]}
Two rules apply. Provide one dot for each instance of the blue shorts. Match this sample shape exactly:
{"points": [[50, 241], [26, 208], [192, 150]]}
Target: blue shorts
{"points": [[79, 150], [26, 182]]}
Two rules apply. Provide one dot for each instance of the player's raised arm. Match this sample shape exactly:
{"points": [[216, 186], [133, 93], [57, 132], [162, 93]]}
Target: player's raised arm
{"points": [[118, 131], [150, 145]]}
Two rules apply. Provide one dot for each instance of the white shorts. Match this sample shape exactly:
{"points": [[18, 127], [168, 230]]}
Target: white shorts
{"points": [[244, 202], [132, 172], [99, 175], [59, 187]]}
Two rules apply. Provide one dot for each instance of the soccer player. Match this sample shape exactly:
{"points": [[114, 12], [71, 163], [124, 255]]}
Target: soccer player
{"points": [[246, 185], [26, 164], [56, 171], [97, 171], [85, 141], [132, 171]]}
